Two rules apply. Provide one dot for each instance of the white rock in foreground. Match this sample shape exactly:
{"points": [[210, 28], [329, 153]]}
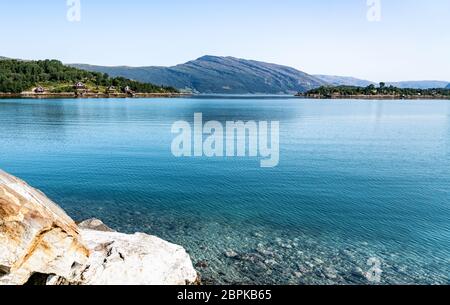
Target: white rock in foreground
{"points": [[37, 237], [139, 259]]}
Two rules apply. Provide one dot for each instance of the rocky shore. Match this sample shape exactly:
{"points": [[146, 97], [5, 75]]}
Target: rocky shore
{"points": [[41, 244]]}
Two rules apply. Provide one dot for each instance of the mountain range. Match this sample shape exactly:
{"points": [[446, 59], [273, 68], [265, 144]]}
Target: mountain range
{"points": [[230, 75], [220, 75], [344, 81], [424, 84], [351, 81]]}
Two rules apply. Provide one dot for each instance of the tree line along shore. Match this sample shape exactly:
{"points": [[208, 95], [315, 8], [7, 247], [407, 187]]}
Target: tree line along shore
{"points": [[374, 92], [50, 78]]}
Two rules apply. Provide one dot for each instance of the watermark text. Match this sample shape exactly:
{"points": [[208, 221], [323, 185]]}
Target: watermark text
{"points": [[235, 139]]}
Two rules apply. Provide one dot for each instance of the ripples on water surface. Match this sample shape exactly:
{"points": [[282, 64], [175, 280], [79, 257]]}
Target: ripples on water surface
{"points": [[357, 179]]}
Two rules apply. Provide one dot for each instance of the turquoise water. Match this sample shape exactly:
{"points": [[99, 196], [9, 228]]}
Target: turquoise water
{"points": [[356, 180]]}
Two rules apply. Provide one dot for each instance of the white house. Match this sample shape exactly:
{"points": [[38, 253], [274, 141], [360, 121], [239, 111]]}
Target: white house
{"points": [[39, 90], [79, 85]]}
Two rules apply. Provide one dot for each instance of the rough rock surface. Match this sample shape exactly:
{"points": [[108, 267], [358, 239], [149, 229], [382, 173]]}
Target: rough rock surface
{"points": [[38, 238], [139, 259]]}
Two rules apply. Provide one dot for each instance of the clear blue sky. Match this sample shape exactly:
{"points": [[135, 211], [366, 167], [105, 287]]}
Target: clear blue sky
{"points": [[411, 42]]}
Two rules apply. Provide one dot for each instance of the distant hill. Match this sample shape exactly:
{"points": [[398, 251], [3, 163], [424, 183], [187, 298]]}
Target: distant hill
{"points": [[371, 92], [344, 81], [220, 75], [424, 84], [448, 86], [18, 76], [351, 81]]}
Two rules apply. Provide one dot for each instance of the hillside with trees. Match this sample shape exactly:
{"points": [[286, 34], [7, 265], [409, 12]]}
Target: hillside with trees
{"points": [[18, 76], [382, 91]]}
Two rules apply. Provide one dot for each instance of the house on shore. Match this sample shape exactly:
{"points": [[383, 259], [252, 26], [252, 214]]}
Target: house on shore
{"points": [[127, 89], [39, 90], [79, 86], [111, 89]]}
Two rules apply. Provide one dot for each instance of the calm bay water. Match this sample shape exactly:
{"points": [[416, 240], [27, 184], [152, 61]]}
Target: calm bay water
{"points": [[356, 180]]}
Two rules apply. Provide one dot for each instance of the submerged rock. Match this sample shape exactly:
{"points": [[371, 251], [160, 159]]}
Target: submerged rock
{"points": [[202, 264], [231, 254], [251, 257], [265, 252], [330, 273], [39, 243]]}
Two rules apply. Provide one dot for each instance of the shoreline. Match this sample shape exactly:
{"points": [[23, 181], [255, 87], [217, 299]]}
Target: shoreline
{"points": [[374, 97], [73, 95], [59, 251]]}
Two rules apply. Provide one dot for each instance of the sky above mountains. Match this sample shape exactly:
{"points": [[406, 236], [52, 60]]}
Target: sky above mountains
{"points": [[410, 42]]}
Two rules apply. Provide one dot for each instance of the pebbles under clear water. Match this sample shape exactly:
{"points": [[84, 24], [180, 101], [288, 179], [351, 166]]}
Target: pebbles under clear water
{"points": [[357, 180], [233, 253]]}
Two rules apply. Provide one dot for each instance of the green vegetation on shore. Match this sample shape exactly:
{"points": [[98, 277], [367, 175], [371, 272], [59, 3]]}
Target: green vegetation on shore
{"points": [[18, 76], [372, 91]]}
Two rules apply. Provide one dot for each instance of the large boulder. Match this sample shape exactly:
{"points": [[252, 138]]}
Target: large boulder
{"points": [[139, 259], [38, 238]]}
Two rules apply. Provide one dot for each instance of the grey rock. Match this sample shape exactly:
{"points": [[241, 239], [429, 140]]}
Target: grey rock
{"points": [[231, 254], [94, 224]]}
